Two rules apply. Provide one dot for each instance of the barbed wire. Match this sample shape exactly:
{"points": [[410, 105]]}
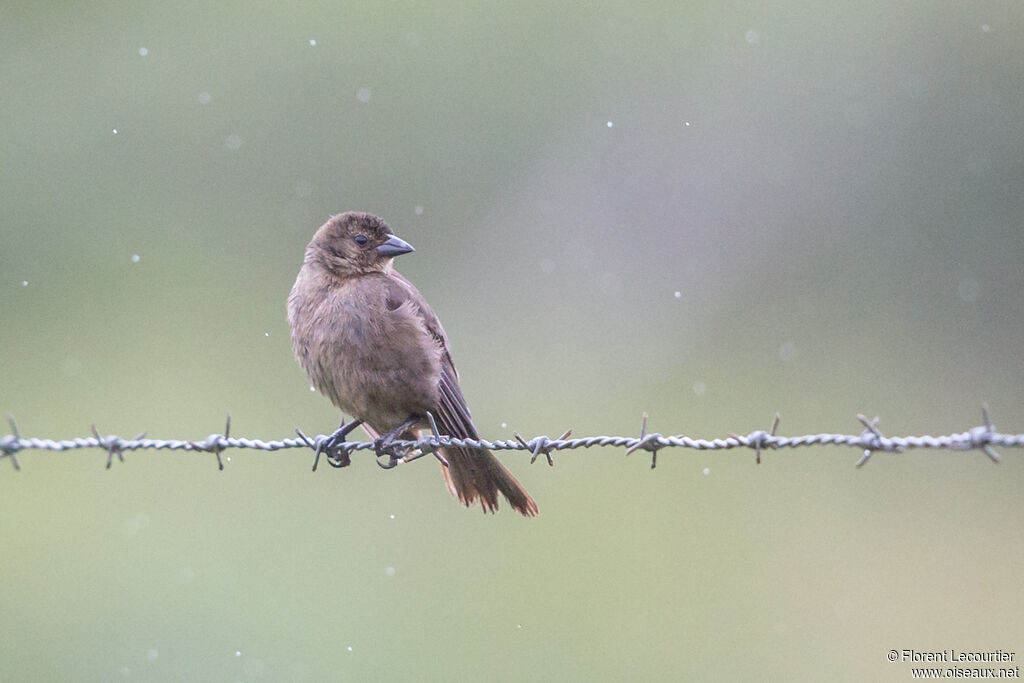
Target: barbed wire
{"points": [[870, 441]]}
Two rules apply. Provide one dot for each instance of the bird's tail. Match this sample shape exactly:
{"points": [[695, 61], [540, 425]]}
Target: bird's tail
{"points": [[475, 474]]}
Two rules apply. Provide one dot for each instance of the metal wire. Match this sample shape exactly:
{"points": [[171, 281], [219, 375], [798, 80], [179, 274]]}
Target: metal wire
{"points": [[870, 440]]}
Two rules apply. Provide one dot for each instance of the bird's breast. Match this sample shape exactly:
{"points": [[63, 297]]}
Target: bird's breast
{"points": [[374, 363]]}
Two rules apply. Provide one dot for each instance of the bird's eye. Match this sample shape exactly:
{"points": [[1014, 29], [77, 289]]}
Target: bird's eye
{"points": [[361, 240]]}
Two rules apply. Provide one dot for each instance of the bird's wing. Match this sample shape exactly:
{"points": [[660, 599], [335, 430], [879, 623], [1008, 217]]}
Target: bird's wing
{"points": [[452, 412]]}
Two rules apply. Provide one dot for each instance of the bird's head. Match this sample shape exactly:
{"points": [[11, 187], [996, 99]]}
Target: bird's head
{"points": [[355, 243]]}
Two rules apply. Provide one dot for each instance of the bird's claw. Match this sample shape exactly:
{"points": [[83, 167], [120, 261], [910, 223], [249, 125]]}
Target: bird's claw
{"points": [[387, 447], [331, 446]]}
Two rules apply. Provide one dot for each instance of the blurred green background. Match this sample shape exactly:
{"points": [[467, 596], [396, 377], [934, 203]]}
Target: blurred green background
{"points": [[708, 212]]}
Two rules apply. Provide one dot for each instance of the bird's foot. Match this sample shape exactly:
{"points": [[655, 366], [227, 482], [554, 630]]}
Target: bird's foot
{"points": [[385, 446], [331, 446]]}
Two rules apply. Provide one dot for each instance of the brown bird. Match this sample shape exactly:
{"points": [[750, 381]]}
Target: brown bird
{"points": [[370, 342]]}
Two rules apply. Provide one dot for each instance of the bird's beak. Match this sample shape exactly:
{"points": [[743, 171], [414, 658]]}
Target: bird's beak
{"points": [[395, 246]]}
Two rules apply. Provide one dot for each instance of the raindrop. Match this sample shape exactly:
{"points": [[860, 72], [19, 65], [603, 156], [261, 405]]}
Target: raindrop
{"points": [[389, 571], [350, 648], [752, 37], [364, 95], [504, 425], [115, 131], [610, 124], [266, 334], [135, 258], [678, 294], [143, 52], [204, 97], [986, 28], [24, 283], [699, 388], [418, 210], [707, 471], [152, 654], [233, 142], [312, 42]]}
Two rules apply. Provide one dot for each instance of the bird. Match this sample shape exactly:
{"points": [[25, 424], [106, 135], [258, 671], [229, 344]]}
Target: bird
{"points": [[371, 343]]}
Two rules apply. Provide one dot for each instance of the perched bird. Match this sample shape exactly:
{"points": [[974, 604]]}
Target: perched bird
{"points": [[370, 342]]}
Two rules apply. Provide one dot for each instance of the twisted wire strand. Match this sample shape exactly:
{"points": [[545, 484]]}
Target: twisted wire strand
{"points": [[870, 440]]}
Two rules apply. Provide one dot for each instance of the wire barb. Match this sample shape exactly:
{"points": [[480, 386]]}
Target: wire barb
{"points": [[982, 436], [113, 445], [11, 444], [759, 439], [541, 444], [648, 442], [872, 440], [215, 443], [433, 445]]}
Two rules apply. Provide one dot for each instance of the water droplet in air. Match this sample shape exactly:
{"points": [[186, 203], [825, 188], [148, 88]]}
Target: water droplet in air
{"points": [[678, 294], [312, 42], [233, 142], [143, 52], [135, 258], [610, 124], [418, 210], [115, 131], [24, 283], [152, 654], [204, 97], [752, 36], [364, 95], [707, 471], [389, 571]]}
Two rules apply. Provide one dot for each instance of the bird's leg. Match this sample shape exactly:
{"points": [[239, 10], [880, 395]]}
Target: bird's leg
{"points": [[336, 457], [383, 445]]}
